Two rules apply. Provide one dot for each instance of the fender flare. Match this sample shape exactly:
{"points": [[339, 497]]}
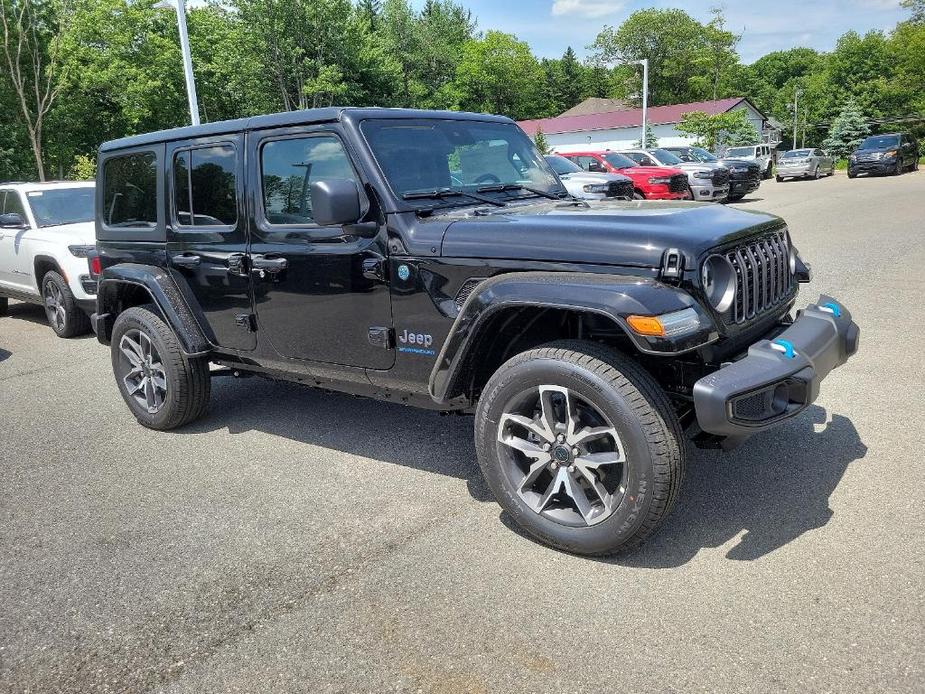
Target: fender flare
{"points": [[164, 293], [612, 296]]}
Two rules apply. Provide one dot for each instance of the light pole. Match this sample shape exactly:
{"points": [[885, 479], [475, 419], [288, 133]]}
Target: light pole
{"points": [[180, 7], [796, 113], [645, 92]]}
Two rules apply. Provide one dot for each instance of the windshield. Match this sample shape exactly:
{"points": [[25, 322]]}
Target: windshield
{"points": [[702, 154], [665, 157], [55, 206], [740, 152], [420, 155], [880, 142], [796, 154], [561, 165], [619, 161]]}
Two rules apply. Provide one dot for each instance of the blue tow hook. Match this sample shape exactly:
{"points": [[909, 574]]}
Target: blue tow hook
{"points": [[834, 308], [784, 346]]}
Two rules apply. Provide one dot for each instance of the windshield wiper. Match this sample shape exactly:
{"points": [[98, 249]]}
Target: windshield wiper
{"points": [[501, 187], [440, 193]]}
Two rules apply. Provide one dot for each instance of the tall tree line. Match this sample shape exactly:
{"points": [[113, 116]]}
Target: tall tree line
{"points": [[76, 73]]}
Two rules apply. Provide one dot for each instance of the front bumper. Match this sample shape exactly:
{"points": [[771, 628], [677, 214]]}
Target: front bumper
{"points": [[778, 378], [744, 185], [879, 166], [709, 191]]}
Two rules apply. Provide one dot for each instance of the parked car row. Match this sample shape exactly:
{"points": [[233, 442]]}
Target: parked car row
{"points": [[893, 153]]}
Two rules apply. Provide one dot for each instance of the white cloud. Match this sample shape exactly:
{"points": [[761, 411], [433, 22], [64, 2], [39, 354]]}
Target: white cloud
{"points": [[591, 9]]}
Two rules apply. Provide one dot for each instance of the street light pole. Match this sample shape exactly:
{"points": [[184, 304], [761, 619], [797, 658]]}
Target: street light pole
{"points": [[645, 99], [180, 7]]}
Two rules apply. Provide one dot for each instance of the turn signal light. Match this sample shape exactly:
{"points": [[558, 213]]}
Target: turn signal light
{"points": [[646, 325], [674, 324]]}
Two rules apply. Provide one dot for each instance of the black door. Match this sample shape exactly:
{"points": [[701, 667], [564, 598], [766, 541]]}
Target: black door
{"points": [[206, 236], [318, 291]]}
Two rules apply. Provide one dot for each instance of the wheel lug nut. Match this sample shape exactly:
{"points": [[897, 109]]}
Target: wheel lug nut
{"points": [[560, 438], [554, 464], [571, 468], [575, 451], [546, 446]]}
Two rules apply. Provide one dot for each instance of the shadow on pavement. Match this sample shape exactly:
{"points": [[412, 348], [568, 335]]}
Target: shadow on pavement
{"points": [[4, 354], [776, 487], [382, 431], [33, 313]]}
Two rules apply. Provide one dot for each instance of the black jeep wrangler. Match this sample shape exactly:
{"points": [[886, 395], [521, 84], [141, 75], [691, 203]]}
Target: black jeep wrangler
{"points": [[435, 259]]}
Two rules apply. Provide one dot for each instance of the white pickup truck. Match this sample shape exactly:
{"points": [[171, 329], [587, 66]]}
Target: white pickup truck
{"points": [[47, 242]]}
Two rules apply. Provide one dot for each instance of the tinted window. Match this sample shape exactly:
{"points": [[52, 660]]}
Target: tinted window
{"points": [[289, 167], [130, 191], [880, 142], [561, 165], [642, 159], [618, 161], [796, 154], [55, 206], [13, 204], [702, 154], [204, 185]]}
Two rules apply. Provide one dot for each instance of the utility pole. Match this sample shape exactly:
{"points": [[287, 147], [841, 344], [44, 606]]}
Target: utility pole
{"points": [[180, 7], [796, 113], [645, 99]]}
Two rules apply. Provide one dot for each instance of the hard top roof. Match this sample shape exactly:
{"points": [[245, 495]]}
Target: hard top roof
{"points": [[288, 118]]}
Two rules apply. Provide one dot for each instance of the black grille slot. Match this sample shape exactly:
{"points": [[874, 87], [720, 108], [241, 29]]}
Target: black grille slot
{"points": [[466, 290], [620, 189], [720, 177], [678, 183], [763, 278]]}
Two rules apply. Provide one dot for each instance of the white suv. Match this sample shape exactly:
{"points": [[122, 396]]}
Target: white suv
{"points": [[764, 155], [47, 241]]}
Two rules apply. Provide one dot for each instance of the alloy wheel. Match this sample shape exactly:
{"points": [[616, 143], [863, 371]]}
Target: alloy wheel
{"points": [[142, 371], [562, 456], [54, 305]]}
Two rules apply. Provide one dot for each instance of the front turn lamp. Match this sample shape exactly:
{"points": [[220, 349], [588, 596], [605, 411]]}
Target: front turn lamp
{"points": [[674, 324]]}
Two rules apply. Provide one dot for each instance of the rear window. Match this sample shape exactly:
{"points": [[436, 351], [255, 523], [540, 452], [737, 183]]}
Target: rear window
{"points": [[796, 154], [130, 191]]}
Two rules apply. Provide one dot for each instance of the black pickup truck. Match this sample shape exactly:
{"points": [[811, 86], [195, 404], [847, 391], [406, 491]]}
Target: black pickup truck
{"points": [[434, 259]]}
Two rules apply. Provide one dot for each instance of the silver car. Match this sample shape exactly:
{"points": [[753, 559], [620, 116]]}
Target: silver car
{"points": [[590, 186], [805, 163], [708, 181]]}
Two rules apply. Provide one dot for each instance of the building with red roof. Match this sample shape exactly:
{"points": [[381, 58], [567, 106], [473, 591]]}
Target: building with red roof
{"points": [[621, 129]]}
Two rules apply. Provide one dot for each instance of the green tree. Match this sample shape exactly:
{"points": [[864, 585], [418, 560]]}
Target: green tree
{"points": [[540, 141], [651, 140], [729, 129], [498, 74], [31, 42], [687, 60], [848, 130]]}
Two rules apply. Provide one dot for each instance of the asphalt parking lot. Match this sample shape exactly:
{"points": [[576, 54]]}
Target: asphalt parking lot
{"points": [[300, 541]]}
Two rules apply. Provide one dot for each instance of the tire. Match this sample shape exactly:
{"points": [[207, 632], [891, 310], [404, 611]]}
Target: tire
{"points": [[816, 175], [609, 392], [898, 171], [638, 196], [186, 381], [851, 174], [64, 315], [780, 179], [735, 197], [4, 305]]}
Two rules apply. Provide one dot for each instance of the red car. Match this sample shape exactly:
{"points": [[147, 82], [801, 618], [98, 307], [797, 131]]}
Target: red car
{"points": [[650, 182]]}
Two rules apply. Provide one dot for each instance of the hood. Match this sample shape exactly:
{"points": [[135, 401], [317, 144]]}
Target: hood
{"points": [[649, 171], [740, 163], [82, 233], [584, 177], [606, 232], [698, 166]]}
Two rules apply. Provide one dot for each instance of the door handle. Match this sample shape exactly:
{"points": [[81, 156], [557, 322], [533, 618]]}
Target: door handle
{"points": [[260, 262], [187, 260]]}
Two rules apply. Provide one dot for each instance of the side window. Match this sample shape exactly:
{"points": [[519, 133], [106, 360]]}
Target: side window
{"points": [[204, 186], [12, 203], [289, 167], [641, 159], [585, 163], [818, 153], [130, 191]]}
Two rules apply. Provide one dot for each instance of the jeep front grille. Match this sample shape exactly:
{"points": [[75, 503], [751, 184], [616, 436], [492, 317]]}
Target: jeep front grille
{"points": [[678, 183], [763, 278]]}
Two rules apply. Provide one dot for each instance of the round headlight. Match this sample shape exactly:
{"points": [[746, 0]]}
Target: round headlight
{"points": [[718, 279]]}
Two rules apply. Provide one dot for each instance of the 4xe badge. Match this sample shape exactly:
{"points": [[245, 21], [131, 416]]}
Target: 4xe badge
{"points": [[416, 343]]}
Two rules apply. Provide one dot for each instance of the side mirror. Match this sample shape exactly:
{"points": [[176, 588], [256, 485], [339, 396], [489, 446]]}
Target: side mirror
{"points": [[335, 202], [12, 220]]}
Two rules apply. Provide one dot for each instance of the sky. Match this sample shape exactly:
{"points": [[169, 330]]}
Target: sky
{"points": [[550, 26]]}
